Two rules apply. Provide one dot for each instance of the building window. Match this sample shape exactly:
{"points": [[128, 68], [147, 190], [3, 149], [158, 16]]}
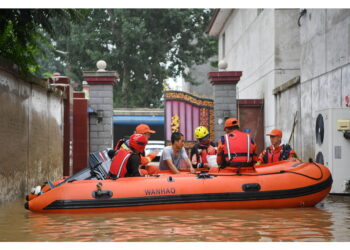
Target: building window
{"points": [[223, 45]]}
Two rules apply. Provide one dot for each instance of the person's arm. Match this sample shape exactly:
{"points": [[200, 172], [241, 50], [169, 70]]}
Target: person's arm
{"points": [[166, 158], [193, 155], [187, 161], [148, 158], [133, 166], [172, 167], [292, 155], [254, 157], [260, 159], [189, 165], [220, 153]]}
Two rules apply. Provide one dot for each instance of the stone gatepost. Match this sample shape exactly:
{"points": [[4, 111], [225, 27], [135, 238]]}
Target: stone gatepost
{"points": [[101, 101], [224, 84]]}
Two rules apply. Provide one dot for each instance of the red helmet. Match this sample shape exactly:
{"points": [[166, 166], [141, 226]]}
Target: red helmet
{"points": [[138, 142]]}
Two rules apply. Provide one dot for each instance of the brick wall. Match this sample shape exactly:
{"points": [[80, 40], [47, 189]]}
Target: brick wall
{"points": [[101, 133]]}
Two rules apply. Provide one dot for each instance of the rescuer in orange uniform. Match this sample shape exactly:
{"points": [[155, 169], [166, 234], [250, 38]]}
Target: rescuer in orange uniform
{"points": [[236, 149], [126, 161], [145, 130], [276, 151]]}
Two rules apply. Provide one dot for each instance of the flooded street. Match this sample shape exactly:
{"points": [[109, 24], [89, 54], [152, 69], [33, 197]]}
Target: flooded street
{"points": [[328, 221]]}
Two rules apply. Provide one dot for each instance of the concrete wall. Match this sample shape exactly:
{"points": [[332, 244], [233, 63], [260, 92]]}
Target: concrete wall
{"points": [[325, 67], [31, 136], [264, 45], [270, 49], [287, 66], [249, 47]]}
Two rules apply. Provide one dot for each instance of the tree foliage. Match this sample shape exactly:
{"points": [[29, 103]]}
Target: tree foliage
{"points": [[24, 34], [145, 46]]}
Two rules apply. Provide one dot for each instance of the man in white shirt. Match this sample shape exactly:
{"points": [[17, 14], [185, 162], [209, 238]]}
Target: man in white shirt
{"points": [[174, 157]]}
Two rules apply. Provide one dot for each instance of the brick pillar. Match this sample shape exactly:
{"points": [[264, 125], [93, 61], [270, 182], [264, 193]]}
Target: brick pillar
{"points": [[224, 97], [101, 100], [63, 83], [80, 132]]}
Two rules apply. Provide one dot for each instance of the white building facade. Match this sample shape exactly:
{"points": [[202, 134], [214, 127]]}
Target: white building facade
{"points": [[297, 61]]}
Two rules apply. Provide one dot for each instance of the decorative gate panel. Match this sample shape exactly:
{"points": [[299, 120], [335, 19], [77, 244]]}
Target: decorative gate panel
{"points": [[184, 112]]}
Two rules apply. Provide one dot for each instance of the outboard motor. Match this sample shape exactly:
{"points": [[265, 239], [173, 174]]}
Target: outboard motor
{"points": [[99, 164]]}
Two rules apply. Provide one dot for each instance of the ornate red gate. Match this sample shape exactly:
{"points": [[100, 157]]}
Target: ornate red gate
{"points": [[184, 112]]}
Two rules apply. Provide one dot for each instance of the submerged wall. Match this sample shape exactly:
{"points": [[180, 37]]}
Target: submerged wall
{"points": [[31, 135]]}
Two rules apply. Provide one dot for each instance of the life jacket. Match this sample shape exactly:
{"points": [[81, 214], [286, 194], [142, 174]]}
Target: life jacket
{"points": [[281, 155], [202, 152], [238, 149], [119, 162], [120, 142]]}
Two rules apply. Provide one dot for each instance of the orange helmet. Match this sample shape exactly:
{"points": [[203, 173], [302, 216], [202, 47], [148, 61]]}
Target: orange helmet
{"points": [[138, 142], [230, 122]]}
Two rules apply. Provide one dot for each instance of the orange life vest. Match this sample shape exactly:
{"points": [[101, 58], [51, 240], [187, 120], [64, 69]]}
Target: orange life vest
{"points": [[206, 151], [238, 149], [270, 155], [119, 162]]}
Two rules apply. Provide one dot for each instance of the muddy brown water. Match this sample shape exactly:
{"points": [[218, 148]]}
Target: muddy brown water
{"points": [[329, 221]]}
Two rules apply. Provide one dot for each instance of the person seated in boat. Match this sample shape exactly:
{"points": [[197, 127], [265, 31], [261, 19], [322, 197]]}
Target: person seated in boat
{"points": [[276, 151], [236, 149], [126, 161], [203, 148], [174, 157], [145, 130]]}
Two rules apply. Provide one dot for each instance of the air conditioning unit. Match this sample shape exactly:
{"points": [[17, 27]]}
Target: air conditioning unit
{"points": [[332, 148]]}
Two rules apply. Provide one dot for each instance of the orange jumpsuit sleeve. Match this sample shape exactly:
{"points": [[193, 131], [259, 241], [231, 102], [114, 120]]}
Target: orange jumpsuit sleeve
{"points": [[261, 157], [220, 153], [292, 154], [147, 159], [255, 158]]}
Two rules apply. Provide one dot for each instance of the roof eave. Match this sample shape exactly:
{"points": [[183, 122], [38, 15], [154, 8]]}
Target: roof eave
{"points": [[218, 21]]}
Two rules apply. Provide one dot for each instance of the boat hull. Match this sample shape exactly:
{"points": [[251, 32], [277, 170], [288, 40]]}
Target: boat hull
{"points": [[282, 185]]}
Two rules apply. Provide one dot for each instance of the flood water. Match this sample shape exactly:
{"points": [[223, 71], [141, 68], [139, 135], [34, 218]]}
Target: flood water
{"points": [[328, 221]]}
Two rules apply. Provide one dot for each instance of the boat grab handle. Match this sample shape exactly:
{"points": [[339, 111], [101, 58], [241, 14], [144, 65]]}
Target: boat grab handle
{"points": [[248, 187]]}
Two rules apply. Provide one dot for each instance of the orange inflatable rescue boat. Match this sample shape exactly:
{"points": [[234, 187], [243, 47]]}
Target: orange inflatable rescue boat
{"points": [[284, 184]]}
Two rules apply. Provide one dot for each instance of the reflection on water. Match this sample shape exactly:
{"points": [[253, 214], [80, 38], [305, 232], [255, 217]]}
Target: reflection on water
{"points": [[329, 221]]}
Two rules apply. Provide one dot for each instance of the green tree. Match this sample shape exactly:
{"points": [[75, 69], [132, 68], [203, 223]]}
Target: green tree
{"points": [[25, 34], [145, 46]]}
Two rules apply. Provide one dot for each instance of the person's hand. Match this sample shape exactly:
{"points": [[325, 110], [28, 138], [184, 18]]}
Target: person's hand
{"points": [[156, 152], [192, 170], [293, 159]]}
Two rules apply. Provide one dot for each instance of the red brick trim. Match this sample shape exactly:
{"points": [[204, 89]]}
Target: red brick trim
{"points": [[100, 80], [59, 79], [250, 101], [78, 94], [226, 77]]}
